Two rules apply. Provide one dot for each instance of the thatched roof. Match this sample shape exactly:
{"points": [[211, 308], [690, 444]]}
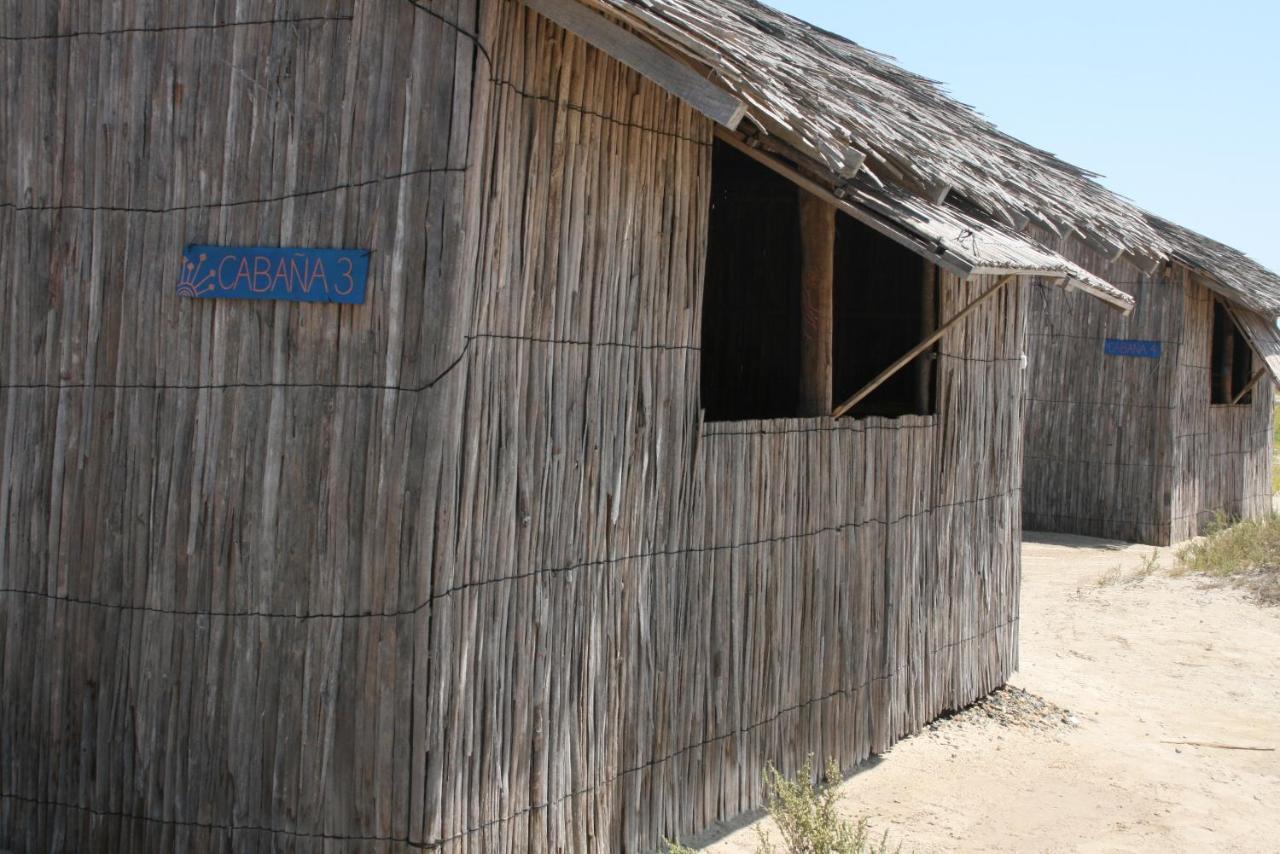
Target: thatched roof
{"points": [[1236, 275], [847, 111], [970, 246]]}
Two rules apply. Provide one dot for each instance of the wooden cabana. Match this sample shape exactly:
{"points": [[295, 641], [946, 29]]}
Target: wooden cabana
{"points": [[548, 478], [1151, 427]]}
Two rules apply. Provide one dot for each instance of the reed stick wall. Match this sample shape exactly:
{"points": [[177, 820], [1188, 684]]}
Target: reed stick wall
{"points": [[1221, 458], [461, 569], [1129, 448]]}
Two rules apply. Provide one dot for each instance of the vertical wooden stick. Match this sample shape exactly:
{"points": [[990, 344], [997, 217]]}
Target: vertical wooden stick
{"points": [[928, 323], [817, 271]]}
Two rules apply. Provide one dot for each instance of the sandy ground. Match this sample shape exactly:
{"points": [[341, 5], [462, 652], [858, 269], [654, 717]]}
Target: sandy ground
{"points": [[1139, 665]]}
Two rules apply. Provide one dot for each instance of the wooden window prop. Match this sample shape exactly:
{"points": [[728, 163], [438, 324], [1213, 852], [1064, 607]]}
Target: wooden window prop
{"points": [[1231, 361], [921, 348], [885, 304]]}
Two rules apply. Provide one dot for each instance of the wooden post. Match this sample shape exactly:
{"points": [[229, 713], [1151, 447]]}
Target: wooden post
{"points": [[817, 273], [928, 323]]}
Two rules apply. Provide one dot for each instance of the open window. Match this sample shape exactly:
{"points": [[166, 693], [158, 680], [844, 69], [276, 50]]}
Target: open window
{"points": [[885, 304], [787, 311], [1231, 362], [751, 302]]}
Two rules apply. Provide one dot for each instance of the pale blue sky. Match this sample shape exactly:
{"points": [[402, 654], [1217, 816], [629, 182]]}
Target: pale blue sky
{"points": [[1176, 103]]}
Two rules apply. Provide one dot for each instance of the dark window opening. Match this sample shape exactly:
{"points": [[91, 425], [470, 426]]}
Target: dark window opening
{"points": [[1231, 365], [885, 304], [882, 304], [751, 307]]}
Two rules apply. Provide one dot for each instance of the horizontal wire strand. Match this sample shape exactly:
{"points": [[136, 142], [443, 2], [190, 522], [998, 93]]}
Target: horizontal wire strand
{"points": [[466, 587], [173, 28]]}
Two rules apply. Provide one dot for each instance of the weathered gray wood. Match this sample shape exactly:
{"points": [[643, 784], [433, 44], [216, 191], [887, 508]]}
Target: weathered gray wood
{"points": [[1131, 448], [461, 567], [677, 78]]}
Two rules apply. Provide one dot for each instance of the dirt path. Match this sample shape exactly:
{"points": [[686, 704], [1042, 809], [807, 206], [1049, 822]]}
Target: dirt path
{"points": [[1138, 664]]}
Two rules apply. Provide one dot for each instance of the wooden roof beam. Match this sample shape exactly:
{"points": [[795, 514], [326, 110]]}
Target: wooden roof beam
{"points": [[764, 141], [909, 178], [714, 102], [1107, 249], [937, 191], [1143, 263]]}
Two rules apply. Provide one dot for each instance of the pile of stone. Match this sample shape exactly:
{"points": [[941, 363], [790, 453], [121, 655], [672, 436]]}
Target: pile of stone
{"points": [[1011, 707]]}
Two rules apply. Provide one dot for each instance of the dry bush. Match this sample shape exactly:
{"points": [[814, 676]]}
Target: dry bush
{"points": [[1245, 554], [805, 813], [1117, 575]]}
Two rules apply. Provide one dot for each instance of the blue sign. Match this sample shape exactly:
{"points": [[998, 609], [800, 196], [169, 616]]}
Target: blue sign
{"points": [[298, 275], [1134, 349]]}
